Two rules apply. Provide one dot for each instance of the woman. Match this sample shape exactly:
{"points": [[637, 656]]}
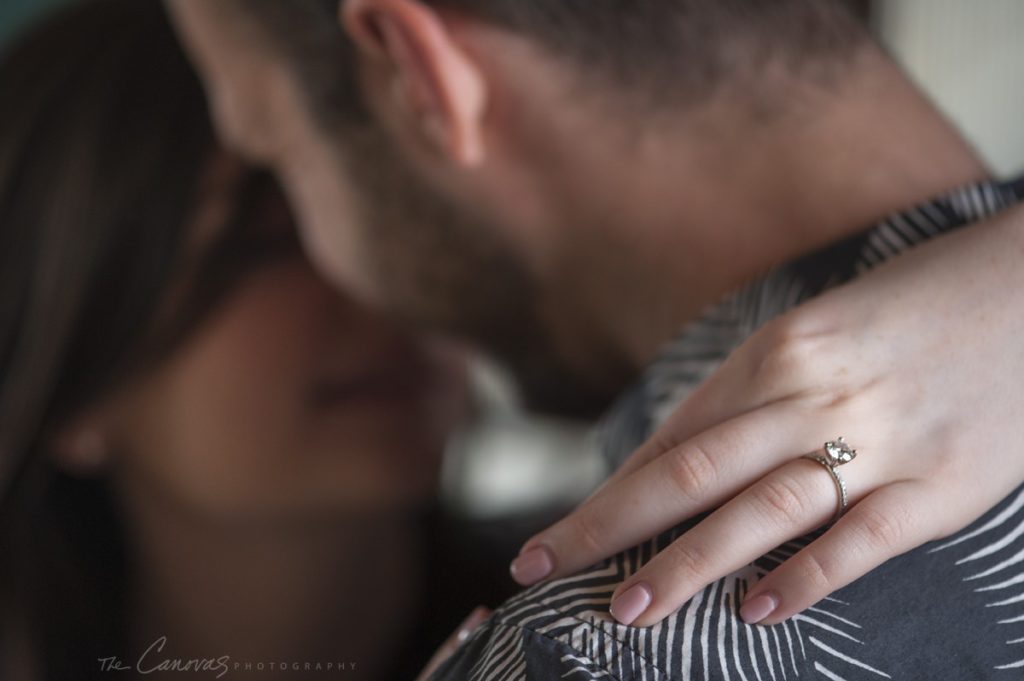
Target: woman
{"points": [[207, 456]]}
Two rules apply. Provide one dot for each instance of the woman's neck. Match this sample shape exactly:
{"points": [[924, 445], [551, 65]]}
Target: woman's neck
{"points": [[335, 591]]}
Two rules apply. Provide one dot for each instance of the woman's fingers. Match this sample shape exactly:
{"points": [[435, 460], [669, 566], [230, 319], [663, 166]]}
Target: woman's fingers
{"points": [[690, 479], [783, 359], [887, 523], [448, 648], [789, 502]]}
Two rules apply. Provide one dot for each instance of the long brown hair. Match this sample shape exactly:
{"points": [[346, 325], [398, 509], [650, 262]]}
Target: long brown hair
{"points": [[104, 133]]}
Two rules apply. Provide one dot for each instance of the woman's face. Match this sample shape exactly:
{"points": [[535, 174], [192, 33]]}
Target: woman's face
{"points": [[288, 399]]}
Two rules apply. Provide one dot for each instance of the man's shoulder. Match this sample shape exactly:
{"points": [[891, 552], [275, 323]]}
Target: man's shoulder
{"points": [[562, 629], [556, 630]]}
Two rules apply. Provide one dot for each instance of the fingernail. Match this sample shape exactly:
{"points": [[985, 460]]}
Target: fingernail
{"points": [[532, 566], [470, 624], [631, 603], [758, 608]]}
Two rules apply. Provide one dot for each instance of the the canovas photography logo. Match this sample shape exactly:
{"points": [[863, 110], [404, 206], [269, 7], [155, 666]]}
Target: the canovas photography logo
{"points": [[154, 661]]}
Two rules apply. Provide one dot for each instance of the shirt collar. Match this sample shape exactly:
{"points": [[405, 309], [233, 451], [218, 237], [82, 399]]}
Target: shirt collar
{"points": [[704, 343]]}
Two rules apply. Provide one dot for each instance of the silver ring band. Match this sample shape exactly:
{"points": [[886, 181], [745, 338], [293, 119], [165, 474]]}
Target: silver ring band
{"points": [[836, 453], [840, 484]]}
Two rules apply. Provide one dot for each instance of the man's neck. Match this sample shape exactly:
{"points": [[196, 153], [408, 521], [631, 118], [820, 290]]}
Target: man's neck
{"points": [[726, 196]]}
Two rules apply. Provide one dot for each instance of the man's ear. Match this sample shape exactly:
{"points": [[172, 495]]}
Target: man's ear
{"points": [[434, 85]]}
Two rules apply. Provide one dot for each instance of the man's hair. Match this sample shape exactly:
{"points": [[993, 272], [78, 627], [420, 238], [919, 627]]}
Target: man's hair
{"points": [[686, 46], [669, 50], [306, 33]]}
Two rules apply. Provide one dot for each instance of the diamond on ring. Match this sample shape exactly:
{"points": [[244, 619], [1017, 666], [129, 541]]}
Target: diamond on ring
{"points": [[837, 452]]}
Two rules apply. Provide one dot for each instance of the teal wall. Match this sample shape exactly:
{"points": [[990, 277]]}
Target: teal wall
{"points": [[16, 14]]}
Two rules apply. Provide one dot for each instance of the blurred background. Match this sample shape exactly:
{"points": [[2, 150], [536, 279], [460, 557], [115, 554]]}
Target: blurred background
{"points": [[383, 561], [16, 14], [966, 55], [969, 57]]}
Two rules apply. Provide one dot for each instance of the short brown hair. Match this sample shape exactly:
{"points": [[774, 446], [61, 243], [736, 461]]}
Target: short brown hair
{"points": [[307, 34], [686, 46], [675, 49]]}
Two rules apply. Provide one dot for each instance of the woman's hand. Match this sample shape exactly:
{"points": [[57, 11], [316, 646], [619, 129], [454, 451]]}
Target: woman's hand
{"points": [[448, 648], [920, 365]]}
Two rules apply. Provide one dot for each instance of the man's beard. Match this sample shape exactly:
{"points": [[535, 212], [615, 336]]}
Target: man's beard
{"points": [[436, 266]]}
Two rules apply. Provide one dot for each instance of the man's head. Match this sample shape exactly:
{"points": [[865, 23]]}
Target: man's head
{"points": [[466, 163]]}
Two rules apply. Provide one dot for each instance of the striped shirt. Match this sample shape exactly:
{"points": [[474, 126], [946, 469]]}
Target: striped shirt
{"points": [[947, 610]]}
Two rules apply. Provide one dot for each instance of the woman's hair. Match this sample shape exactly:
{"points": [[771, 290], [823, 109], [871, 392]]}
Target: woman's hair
{"points": [[104, 134]]}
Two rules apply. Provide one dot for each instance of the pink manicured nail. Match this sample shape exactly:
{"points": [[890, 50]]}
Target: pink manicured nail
{"points": [[469, 625], [630, 604], [532, 566], [758, 608]]}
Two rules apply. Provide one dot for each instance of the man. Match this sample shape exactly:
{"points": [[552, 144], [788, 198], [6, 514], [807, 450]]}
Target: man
{"points": [[568, 184]]}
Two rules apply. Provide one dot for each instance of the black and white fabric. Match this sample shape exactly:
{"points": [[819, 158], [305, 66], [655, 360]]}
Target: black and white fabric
{"points": [[948, 610]]}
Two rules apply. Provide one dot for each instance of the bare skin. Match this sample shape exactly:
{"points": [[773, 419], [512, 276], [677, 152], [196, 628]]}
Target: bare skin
{"points": [[632, 220]]}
